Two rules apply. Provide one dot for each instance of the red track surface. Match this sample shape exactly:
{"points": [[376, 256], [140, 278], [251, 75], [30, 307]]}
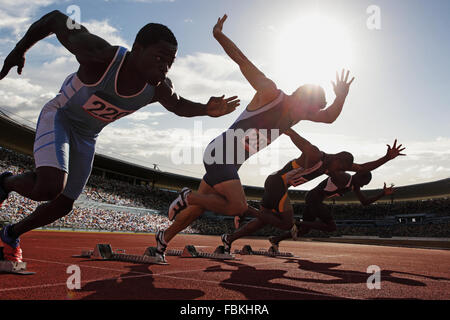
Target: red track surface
{"points": [[321, 271]]}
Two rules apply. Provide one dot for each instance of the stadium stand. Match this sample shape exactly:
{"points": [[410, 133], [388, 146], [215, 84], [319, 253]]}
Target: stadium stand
{"points": [[420, 210], [418, 218]]}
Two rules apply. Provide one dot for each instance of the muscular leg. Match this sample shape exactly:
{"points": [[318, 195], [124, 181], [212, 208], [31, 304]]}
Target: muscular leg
{"points": [[305, 226], [318, 209], [281, 220], [302, 230], [246, 229], [228, 199], [284, 236], [43, 215], [43, 185], [188, 215], [264, 216]]}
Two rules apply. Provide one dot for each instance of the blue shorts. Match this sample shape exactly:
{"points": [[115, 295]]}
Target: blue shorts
{"points": [[58, 145], [217, 173]]}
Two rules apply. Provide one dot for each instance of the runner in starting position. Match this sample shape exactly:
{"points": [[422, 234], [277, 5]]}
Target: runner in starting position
{"points": [[111, 82], [338, 184], [275, 208], [269, 114]]}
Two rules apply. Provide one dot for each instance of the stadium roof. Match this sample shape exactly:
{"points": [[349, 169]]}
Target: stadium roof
{"points": [[19, 137]]}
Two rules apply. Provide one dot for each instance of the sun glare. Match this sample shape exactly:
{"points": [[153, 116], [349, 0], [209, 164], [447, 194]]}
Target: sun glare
{"points": [[310, 50]]}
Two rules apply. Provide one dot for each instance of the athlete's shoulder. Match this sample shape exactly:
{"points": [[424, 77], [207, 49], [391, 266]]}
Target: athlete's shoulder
{"points": [[269, 91], [90, 73], [106, 54], [110, 52]]}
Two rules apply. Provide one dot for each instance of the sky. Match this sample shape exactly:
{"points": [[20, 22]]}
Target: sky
{"points": [[397, 50]]}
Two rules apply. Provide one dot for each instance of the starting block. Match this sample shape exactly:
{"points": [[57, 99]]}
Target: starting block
{"points": [[247, 250], [105, 252], [13, 266], [191, 251]]}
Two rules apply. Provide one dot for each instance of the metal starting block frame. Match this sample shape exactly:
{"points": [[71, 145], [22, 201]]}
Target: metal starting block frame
{"points": [[13, 266], [105, 252], [247, 250], [190, 251]]}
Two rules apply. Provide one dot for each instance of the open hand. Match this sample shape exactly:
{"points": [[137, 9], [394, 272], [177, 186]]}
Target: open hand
{"points": [[219, 106], [341, 86], [14, 58], [395, 151], [217, 29]]}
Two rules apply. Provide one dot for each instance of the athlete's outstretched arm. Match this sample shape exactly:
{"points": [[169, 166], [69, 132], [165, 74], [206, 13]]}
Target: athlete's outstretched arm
{"points": [[254, 76], [216, 106], [301, 143], [76, 38], [366, 201], [391, 154], [331, 113], [311, 153]]}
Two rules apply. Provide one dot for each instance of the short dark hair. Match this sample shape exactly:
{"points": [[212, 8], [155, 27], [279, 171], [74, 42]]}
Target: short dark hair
{"points": [[152, 33]]}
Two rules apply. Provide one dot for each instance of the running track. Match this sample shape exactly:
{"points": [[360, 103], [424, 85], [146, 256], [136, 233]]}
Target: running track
{"points": [[321, 271]]}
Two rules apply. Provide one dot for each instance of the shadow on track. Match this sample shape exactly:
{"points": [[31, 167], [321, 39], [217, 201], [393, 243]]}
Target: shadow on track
{"points": [[353, 276], [136, 285], [256, 284]]}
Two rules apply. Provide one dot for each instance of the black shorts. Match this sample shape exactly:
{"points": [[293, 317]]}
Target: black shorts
{"points": [[275, 193], [315, 208], [217, 173]]}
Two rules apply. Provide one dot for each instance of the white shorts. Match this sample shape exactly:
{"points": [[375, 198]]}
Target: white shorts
{"points": [[57, 145]]}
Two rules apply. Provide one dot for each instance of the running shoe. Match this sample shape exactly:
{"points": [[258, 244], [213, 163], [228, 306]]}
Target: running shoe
{"points": [[226, 243], [161, 246], [179, 204], [274, 243], [3, 193], [11, 249]]}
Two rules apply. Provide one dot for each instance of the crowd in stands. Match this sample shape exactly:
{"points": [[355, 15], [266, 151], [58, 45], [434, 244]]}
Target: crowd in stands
{"points": [[122, 193], [439, 207], [125, 194]]}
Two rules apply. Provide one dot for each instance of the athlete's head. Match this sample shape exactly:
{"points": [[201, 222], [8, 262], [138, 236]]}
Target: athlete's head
{"points": [[341, 161], [361, 178], [311, 98], [154, 50]]}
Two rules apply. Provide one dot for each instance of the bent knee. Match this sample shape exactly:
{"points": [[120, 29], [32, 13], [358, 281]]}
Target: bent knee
{"points": [[287, 225], [45, 193], [63, 206], [236, 208], [50, 183]]}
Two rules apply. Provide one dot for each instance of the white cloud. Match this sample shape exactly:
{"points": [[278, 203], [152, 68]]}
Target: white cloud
{"points": [[202, 75], [196, 77], [17, 15], [144, 115], [11, 84], [106, 31]]}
